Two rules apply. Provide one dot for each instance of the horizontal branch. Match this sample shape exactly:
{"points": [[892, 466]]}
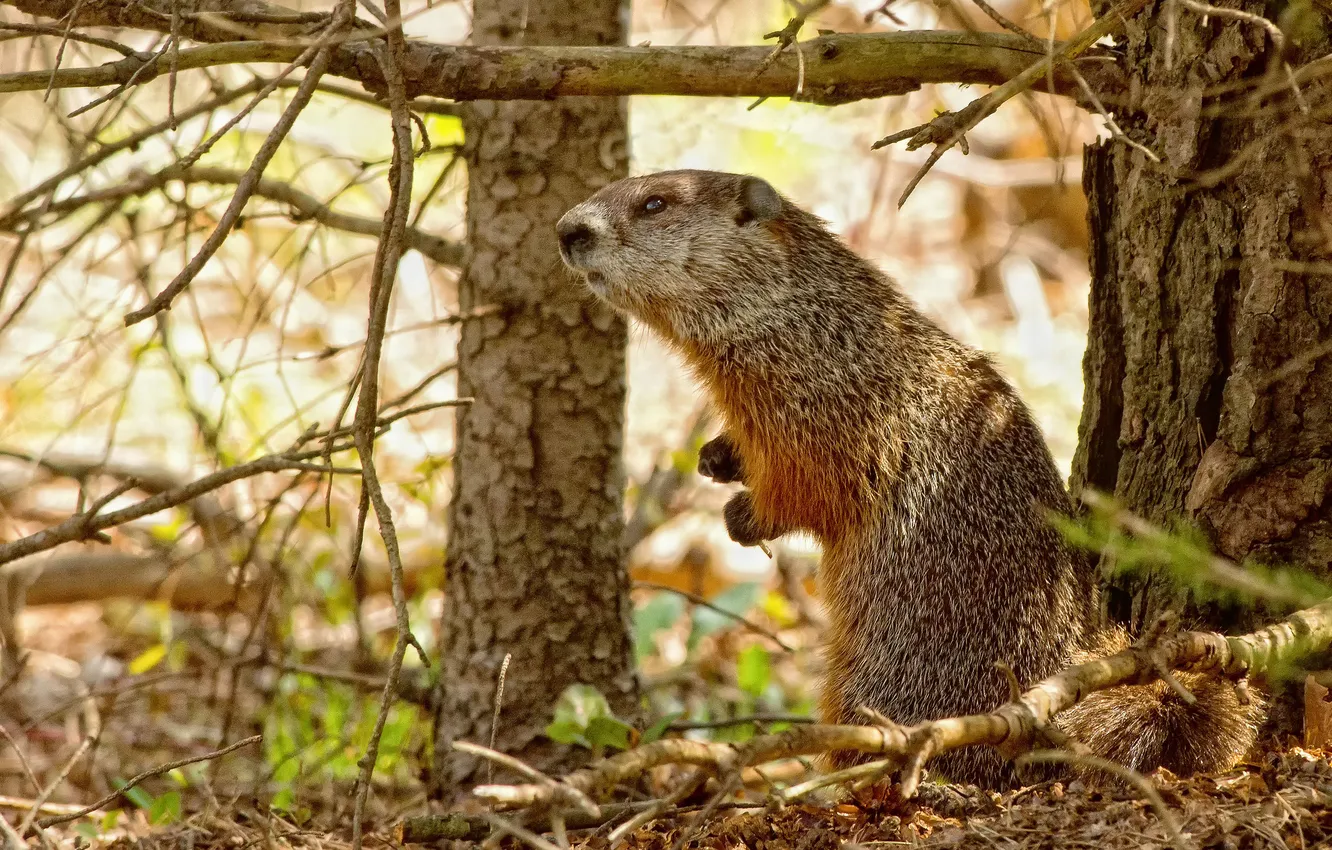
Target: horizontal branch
{"points": [[837, 68], [303, 205], [1012, 727], [87, 525]]}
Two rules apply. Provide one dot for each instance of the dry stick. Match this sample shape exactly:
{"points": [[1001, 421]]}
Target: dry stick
{"points": [[1013, 725], [869, 65], [244, 188], [1000, 19], [693, 782], [564, 794], [951, 128], [148, 774], [699, 600], [1116, 131], [23, 759], [390, 59], [13, 841], [39, 29], [527, 836], [123, 87], [787, 36]]}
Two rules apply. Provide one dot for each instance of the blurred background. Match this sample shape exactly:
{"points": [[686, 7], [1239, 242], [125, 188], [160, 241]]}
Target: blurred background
{"points": [[275, 636]]}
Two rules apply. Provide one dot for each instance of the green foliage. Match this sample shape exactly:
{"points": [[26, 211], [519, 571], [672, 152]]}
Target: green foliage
{"points": [[584, 717], [753, 669], [1183, 554], [318, 729], [658, 729]]}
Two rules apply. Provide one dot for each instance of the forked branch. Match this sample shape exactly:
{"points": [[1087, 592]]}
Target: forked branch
{"points": [[1013, 727]]}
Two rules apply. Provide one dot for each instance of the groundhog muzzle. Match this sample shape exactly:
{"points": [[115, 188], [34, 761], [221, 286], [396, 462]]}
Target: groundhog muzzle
{"points": [[851, 416]]}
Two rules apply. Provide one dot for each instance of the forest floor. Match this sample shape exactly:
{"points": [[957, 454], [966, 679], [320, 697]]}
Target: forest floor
{"points": [[1284, 802]]}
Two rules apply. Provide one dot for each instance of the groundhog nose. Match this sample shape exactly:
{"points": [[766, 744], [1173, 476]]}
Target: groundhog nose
{"points": [[574, 236]]}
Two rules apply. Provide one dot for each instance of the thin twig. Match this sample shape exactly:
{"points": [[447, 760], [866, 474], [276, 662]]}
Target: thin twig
{"points": [[699, 600], [244, 188], [396, 215], [148, 774], [950, 129], [495, 716]]}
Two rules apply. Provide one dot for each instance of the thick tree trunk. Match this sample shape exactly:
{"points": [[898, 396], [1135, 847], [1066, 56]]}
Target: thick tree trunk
{"points": [[1208, 380], [535, 566]]}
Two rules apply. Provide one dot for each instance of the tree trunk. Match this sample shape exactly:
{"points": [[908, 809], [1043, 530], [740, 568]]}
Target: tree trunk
{"points": [[1208, 377], [535, 567]]}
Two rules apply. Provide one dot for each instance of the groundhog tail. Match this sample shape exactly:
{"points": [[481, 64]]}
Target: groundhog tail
{"points": [[1144, 727]]}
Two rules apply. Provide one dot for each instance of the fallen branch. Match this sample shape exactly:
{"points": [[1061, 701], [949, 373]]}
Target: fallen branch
{"points": [[1013, 727]]}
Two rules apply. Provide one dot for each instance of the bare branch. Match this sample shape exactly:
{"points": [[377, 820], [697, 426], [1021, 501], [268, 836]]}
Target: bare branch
{"points": [[82, 525], [837, 68], [302, 204], [245, 187], [364, 425], [951, 128], [1013, 726]]}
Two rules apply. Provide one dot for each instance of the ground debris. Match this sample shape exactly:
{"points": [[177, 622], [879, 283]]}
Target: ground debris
{"points": [[1284, 801]]}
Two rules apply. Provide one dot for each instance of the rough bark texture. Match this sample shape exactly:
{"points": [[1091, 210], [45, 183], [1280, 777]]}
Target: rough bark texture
{"points": [[535, 565], [1205, 283]]}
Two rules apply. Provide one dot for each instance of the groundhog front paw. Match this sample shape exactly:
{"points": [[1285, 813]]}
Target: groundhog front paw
{"points": [[741, 523], [719, 461]]}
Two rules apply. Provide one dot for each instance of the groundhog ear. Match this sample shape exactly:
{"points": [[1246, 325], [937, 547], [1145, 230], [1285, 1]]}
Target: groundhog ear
{"points": [[758, 201]]}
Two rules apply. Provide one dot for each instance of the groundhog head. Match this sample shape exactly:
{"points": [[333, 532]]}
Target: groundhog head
{"points": [[689, 253]]}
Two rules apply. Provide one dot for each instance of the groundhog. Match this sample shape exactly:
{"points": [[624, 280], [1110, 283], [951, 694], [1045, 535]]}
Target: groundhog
{"points": [[851, 416]]}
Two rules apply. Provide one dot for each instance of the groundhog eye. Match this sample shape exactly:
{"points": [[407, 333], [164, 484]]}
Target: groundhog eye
{"points": [[654, 204]]}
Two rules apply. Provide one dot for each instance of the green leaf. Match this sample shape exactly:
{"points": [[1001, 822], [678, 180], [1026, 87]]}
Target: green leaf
{"points": [[138, 796], [566, 732], [88, 831], [110, 819], [165, 809], [283, 800], [582, 716], [656, 730], [753, 669], [148, 659], [609, 732]]}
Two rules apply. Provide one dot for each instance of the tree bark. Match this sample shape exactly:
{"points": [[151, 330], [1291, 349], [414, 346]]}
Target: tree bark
{"points": [[1206, 395], [535, 566]]}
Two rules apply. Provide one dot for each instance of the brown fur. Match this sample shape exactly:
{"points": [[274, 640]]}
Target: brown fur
{"points": [[856, 419]]}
